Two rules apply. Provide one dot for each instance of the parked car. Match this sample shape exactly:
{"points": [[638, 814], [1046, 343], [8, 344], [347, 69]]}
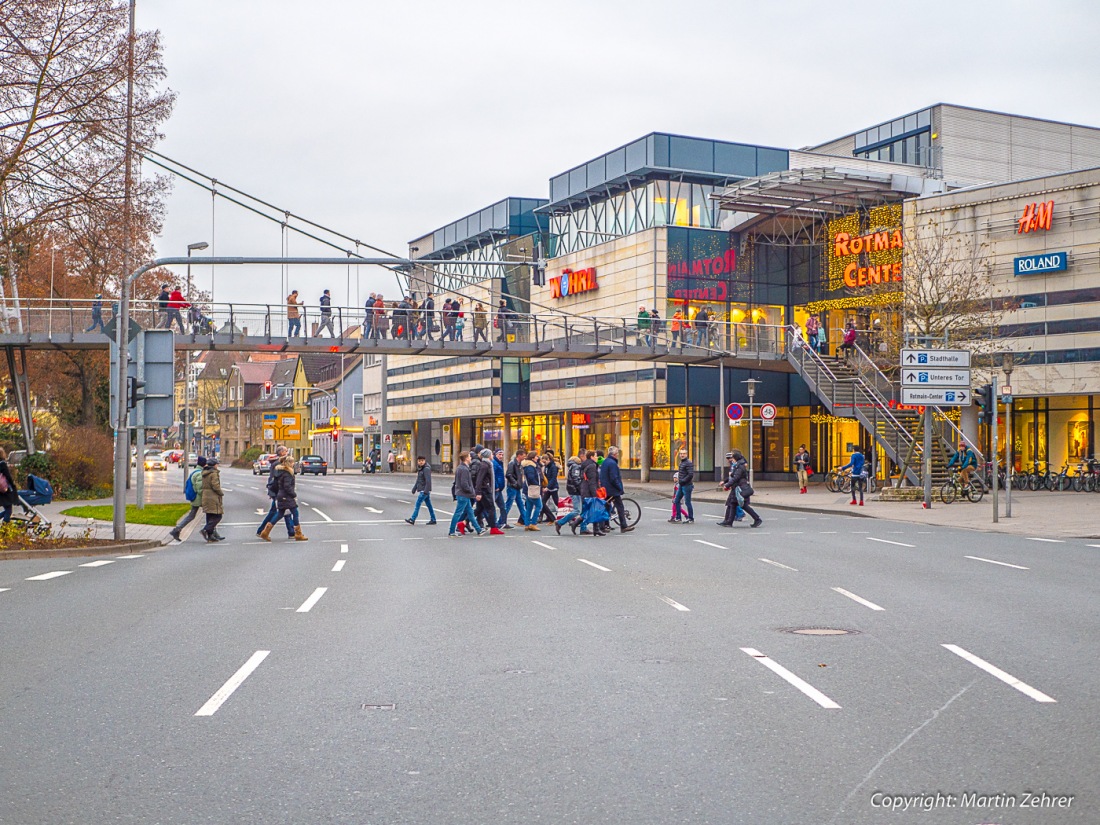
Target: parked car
{"points": [[156, 461], [262, 464], [313, 464], [192, 460]]}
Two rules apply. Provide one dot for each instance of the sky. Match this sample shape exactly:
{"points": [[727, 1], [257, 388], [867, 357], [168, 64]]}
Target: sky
{"points": [[386, 120]]}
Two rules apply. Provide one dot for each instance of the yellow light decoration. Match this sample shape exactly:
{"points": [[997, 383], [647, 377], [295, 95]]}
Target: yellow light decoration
{"points": [[855, 301], [737, 315], [826, 418]]}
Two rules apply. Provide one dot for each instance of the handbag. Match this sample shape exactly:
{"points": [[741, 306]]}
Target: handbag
{"points": [[601, 493]]}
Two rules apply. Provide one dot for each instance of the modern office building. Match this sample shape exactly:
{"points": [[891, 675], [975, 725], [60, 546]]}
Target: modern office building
{"points": [[677, 224]]}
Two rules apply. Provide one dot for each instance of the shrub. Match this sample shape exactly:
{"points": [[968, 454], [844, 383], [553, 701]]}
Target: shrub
{"points": [[83, 459], [251, 454], [39, 464]]}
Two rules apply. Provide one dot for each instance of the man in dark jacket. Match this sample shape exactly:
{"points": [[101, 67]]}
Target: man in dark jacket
{"points": [[738, 482], [612, 481], [465, 495], [573, 476], [272, 514], [513, 481], [427, 312], [685, 477], [484, 482], [326, 314], [498, 480], [423, 489], [731, 500], [590, 482]]}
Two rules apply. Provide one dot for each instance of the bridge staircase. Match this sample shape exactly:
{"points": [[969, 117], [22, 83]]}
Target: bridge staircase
{"points": [[856, 388]]}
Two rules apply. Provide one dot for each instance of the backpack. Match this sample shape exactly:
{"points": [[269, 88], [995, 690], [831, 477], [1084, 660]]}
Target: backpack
{"points": [[850, 336], [191, 490], [573, 479]]}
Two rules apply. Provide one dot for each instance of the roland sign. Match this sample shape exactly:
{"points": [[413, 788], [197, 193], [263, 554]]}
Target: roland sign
{"points": [[1037, 264]]}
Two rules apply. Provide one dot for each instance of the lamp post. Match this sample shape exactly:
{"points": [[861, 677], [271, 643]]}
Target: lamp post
{"points": [[187, 429], [751, 382], [1008, 363]]}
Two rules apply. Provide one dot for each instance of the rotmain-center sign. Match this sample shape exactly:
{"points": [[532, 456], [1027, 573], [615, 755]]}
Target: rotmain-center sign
{"points": [[572, 282]]}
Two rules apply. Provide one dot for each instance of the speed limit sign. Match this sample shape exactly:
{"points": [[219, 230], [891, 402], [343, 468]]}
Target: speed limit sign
{"points": [[767, 412]]}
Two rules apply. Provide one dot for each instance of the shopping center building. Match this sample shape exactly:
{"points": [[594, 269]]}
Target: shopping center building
{"points": [[750, 233]]}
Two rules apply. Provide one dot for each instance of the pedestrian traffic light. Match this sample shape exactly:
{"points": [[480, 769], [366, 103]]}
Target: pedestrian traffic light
{"points": [[335, 435], [133, 392], [986, 410], [267, 388]]}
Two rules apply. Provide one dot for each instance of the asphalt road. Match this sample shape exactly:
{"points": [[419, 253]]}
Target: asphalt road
{"points": [[382, 673]]}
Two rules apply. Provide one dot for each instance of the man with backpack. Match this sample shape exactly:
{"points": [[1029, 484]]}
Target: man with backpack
{"points": [[574, 475], [272, 490], [192, 490], [513, 480], [966, 461]]}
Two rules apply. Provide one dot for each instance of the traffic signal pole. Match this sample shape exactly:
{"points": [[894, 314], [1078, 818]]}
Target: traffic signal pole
{"points": [[993, 451]]}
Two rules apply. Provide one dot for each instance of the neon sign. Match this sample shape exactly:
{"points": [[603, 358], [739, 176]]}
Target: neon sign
{"points": [[1036, 216], [573, 283], [861, 254]]}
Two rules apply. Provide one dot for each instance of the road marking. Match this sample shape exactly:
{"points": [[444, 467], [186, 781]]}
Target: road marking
{"points": [[1092, 545], [2, 589], [659, 509], [1054, 541], [711, 544], [137, 556], [370, 539], [307, 605], [856, 598], [795, 532], [540, 544], [99, 563], [304, 503], [235, 681], [322, 515], [372, 509], [336, 568], [413, 538], [593, 564], [777, 564], [402, 501], [677, 605], [343, 548], [1007, 678], [1002, 563], [887, 541], [826, 532], [801, 684], [52, 575]]}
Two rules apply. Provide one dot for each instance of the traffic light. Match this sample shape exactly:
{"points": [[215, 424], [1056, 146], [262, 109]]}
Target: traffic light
{"points": [[335, 435], [984, 397], [133, 392], [267, 388]]}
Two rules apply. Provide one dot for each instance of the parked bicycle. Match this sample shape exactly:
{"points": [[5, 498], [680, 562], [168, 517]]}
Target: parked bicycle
{"points": [[840, 481], [973, 491]]}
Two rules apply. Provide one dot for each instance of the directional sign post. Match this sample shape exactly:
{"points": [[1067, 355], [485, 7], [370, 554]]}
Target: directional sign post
{"points": [[935, 377], [936, 396], [935, 358]]}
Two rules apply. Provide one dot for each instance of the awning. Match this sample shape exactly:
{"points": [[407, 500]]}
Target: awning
{"points": [[817, 192]]}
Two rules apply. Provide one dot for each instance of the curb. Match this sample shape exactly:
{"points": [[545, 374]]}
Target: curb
{"points": [[79, 552]]}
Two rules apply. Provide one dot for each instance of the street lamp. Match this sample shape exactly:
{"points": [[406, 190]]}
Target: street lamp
{"points": [[751, 382], [187, 430], [1008, 363]]}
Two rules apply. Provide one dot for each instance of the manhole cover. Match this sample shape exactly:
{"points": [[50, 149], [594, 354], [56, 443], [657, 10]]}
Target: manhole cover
{"points": [[819, 631], [390, 706]]}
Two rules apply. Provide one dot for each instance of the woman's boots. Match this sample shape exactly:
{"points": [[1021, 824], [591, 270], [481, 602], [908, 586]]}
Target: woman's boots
{"points": [[298, 534]]}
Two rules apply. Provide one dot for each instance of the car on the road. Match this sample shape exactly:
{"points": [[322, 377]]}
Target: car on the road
{"points": [[262, 464], [192, 460], [313, 464], [156, 461]]}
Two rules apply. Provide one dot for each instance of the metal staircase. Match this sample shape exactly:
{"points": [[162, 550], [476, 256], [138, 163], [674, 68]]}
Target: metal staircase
{"points": [[856, 388]]}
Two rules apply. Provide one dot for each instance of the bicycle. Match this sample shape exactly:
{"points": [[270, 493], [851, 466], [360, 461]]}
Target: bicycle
{"points": [[1039, 480], [954, 488], [840, 481], [1062, 481]]}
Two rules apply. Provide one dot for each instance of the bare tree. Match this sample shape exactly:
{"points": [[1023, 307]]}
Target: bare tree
{"points": [[63, 73]]}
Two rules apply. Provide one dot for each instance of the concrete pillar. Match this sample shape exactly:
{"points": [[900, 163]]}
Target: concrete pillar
{"points": [[567, 433], [721, 425], [507, 438], [647, 444]]}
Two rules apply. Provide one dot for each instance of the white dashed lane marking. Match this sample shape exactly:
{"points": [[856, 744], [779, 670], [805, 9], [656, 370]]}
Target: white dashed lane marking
{"points": [[1007, 678], [46, 576]]}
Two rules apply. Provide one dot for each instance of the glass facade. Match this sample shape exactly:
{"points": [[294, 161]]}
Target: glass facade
{"points": [[1060, 430], [907, 139]]}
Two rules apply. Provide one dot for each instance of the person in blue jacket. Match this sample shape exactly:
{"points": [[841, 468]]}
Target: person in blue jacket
{"points": [[858, 464], [966, 461], [498, 479]]}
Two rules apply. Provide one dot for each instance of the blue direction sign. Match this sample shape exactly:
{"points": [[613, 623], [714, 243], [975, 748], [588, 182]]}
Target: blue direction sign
{"points": [[735, 412]]}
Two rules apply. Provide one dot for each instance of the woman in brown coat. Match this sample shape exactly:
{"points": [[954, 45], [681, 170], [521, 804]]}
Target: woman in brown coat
{"points": [[212, 497]]}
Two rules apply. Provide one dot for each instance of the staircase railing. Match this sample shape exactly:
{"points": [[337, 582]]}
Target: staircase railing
{"points": [[868, 406]]}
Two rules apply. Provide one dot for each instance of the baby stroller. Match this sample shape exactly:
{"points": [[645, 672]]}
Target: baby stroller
{"points": [[39, 491], [201, 324]]}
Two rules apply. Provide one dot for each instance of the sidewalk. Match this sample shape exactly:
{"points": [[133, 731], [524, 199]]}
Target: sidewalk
{"points": [[1044, 514]]}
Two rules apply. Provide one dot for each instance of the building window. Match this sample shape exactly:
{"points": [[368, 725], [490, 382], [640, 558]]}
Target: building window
{"points": [[357, 405]]}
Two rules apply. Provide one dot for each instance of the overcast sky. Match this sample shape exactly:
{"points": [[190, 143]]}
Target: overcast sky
{"points": [[386, 120]]}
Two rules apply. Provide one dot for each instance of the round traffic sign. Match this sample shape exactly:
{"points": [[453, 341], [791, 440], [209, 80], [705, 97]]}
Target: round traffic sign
{"points": [[767, 411], [735, 412], [636, 424]]}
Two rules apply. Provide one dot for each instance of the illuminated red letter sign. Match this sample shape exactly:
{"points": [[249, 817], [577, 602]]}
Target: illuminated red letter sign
{"points": [[573, 282], [1036, 216]]}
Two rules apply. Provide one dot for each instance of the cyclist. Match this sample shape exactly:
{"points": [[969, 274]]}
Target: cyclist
{"points": [[966, 461]]}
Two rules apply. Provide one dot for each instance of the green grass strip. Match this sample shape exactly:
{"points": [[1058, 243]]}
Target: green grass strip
{"points": [[164, 515]]}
